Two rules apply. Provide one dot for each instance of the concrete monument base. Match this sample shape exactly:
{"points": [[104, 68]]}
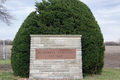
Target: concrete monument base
{"points": [[55, 57]]}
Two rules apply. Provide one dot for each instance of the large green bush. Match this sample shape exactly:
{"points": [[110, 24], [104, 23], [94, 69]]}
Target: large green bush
{"points": [[60, 17]]}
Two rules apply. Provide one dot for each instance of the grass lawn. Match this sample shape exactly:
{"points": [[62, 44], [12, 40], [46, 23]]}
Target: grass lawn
{"points": [[8, 61], [7, 76], [107, 74]]}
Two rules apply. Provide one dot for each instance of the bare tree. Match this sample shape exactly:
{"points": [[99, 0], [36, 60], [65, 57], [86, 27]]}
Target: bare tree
{"points": [[5, 16], [8, 42], [1, 42]]}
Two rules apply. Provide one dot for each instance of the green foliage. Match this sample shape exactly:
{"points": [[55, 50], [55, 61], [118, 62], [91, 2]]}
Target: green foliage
{"points": [[60, 17]]}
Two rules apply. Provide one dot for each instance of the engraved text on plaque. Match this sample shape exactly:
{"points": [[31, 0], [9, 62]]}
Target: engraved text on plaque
{"points": [[55, 53]]}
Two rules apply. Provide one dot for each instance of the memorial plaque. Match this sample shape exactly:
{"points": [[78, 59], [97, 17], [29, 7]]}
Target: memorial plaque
{"points": [[55, 53]]}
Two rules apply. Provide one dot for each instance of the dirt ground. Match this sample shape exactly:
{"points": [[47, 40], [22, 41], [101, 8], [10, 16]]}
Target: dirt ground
{"points": [[112, 57], [111, 60], [5, 67]]}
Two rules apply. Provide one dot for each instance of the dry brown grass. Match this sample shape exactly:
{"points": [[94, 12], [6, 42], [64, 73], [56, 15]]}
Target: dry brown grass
{"points": [[112, 49]]}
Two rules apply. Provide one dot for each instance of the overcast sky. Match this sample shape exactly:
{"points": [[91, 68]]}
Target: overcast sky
{"points": [[106, 12]]}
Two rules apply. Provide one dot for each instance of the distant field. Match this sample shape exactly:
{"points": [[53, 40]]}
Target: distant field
{"points": [[112, 49], [7, 50]]}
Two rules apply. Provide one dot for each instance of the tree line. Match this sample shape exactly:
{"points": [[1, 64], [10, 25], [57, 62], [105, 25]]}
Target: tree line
{"points": [[112, 43], [7, 42]]}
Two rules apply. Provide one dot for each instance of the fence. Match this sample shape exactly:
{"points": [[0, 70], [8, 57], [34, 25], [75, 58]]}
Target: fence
{"points": [[5, 51]]}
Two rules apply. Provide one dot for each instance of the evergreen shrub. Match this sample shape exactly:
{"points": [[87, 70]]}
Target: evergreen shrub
{"points": [[60, 17]]}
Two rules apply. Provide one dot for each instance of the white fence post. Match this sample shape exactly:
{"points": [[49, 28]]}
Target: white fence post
{"points": [[3, 50], [0, 51], [6, 50]]}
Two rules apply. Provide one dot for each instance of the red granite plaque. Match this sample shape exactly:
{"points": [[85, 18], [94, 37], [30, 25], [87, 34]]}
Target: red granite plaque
{"points": [[55, 53]]}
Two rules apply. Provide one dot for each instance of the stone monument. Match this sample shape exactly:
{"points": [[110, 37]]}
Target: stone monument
{"points": [[55, 57]]}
